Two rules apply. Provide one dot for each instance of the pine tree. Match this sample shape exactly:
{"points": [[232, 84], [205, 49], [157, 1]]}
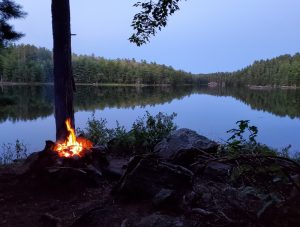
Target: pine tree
{"points": [[9, 10]]}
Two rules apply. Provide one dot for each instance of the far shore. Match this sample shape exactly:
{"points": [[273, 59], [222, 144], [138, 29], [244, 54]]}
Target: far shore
{"points": [[252, 87], [266, 87], [92, 84]]}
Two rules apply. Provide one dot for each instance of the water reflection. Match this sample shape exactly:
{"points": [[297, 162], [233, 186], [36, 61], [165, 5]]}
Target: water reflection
{"points": [[31, 102], [26, 112]]}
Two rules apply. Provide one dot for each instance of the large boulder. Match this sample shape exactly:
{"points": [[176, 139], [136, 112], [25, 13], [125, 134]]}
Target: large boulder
{"points": [[184, 147], [145, 177]]}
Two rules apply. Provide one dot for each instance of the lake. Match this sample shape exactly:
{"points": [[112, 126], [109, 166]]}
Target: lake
{"points": [[26, 112]]}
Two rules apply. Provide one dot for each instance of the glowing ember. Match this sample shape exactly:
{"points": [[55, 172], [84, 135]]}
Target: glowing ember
{"points": [[72, 146]]}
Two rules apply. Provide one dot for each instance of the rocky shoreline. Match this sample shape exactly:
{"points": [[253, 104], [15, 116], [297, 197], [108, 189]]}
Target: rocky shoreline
{"points": [[183, 182]]}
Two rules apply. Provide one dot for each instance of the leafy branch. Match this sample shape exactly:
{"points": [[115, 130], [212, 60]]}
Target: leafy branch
{"points": [[152, 17]]}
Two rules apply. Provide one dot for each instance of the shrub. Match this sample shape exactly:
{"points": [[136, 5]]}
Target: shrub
{"points": [[10, 152], [96, 131], [145, 133], [149, 130], [237, 141]]}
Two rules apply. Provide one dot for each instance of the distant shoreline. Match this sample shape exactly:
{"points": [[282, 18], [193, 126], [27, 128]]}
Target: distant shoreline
{"points": [[266, 87], [251, 87], [92, 84]]}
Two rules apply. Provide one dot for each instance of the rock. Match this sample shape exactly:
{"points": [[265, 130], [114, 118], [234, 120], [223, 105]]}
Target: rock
{"points": [[159, 220], [98, 217], [206, 197], [183, 146], [165, 197], [201, 211], [100, 149], [49, 220], [146, 177], [190, 199], [26, 165], [217, 171], [116, 168]]}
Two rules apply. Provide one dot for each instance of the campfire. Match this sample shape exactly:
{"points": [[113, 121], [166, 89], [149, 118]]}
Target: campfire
{"points": [[72, 146], [72, 163]]}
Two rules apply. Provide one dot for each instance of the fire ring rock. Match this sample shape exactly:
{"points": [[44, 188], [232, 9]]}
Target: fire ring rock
{"points": [[184, 146], [51, 170]]}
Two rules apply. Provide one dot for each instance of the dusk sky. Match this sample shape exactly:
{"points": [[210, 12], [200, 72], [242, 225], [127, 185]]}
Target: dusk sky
{"points": [[204, 36]]}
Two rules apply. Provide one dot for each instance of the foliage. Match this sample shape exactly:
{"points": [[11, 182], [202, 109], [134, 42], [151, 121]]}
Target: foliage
{"points": [[27, 63], [120, 131], [96, 131], [296, 157], [9, 10], [236, 142], [153, 16], [280, 71], [149, 130], [145, 133], [258, 166], [10, 152]]}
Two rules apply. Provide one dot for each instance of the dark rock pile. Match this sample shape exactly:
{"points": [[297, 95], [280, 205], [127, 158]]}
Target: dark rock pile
{"points": [[182, 183]]}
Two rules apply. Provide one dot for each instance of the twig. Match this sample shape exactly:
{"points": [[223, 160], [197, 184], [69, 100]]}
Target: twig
{"points": [[74, 169]]}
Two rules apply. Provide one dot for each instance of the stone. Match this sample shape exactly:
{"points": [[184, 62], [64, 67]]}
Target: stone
{"points": [[201, 211], [98, 217], [116, 168], [159, 220], [146, 177], [217, 171], [165, 197], [48, 220], [183, 146]]}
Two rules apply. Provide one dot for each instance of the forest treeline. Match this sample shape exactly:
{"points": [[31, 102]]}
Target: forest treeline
{"points": [[280, 71], [27, 63]]}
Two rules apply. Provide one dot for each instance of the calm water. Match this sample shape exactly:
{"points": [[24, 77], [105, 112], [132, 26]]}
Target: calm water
{"points": [[26, 112]]}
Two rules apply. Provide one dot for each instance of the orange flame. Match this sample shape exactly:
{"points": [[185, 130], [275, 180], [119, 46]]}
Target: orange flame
{"points": [[72, 146]]}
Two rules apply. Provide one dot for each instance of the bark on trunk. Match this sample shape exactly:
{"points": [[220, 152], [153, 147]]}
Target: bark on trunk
{"points": [[63, 77]]}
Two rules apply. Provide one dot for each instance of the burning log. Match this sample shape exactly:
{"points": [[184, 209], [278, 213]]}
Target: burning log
{"points": [[69, 162], [72, 146], [51, 167]]}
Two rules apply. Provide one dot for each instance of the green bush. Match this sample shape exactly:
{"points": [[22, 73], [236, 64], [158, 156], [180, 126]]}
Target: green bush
{"points": [[237, 141], [10, 152], [96, 131], [149, 130], [145, 133]]}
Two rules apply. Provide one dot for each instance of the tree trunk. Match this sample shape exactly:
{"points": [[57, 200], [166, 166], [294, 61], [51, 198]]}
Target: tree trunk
{"points": [[63, 77]]}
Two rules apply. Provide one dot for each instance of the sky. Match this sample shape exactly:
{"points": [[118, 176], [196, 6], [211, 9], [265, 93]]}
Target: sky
{"points": [[204, 36]]}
